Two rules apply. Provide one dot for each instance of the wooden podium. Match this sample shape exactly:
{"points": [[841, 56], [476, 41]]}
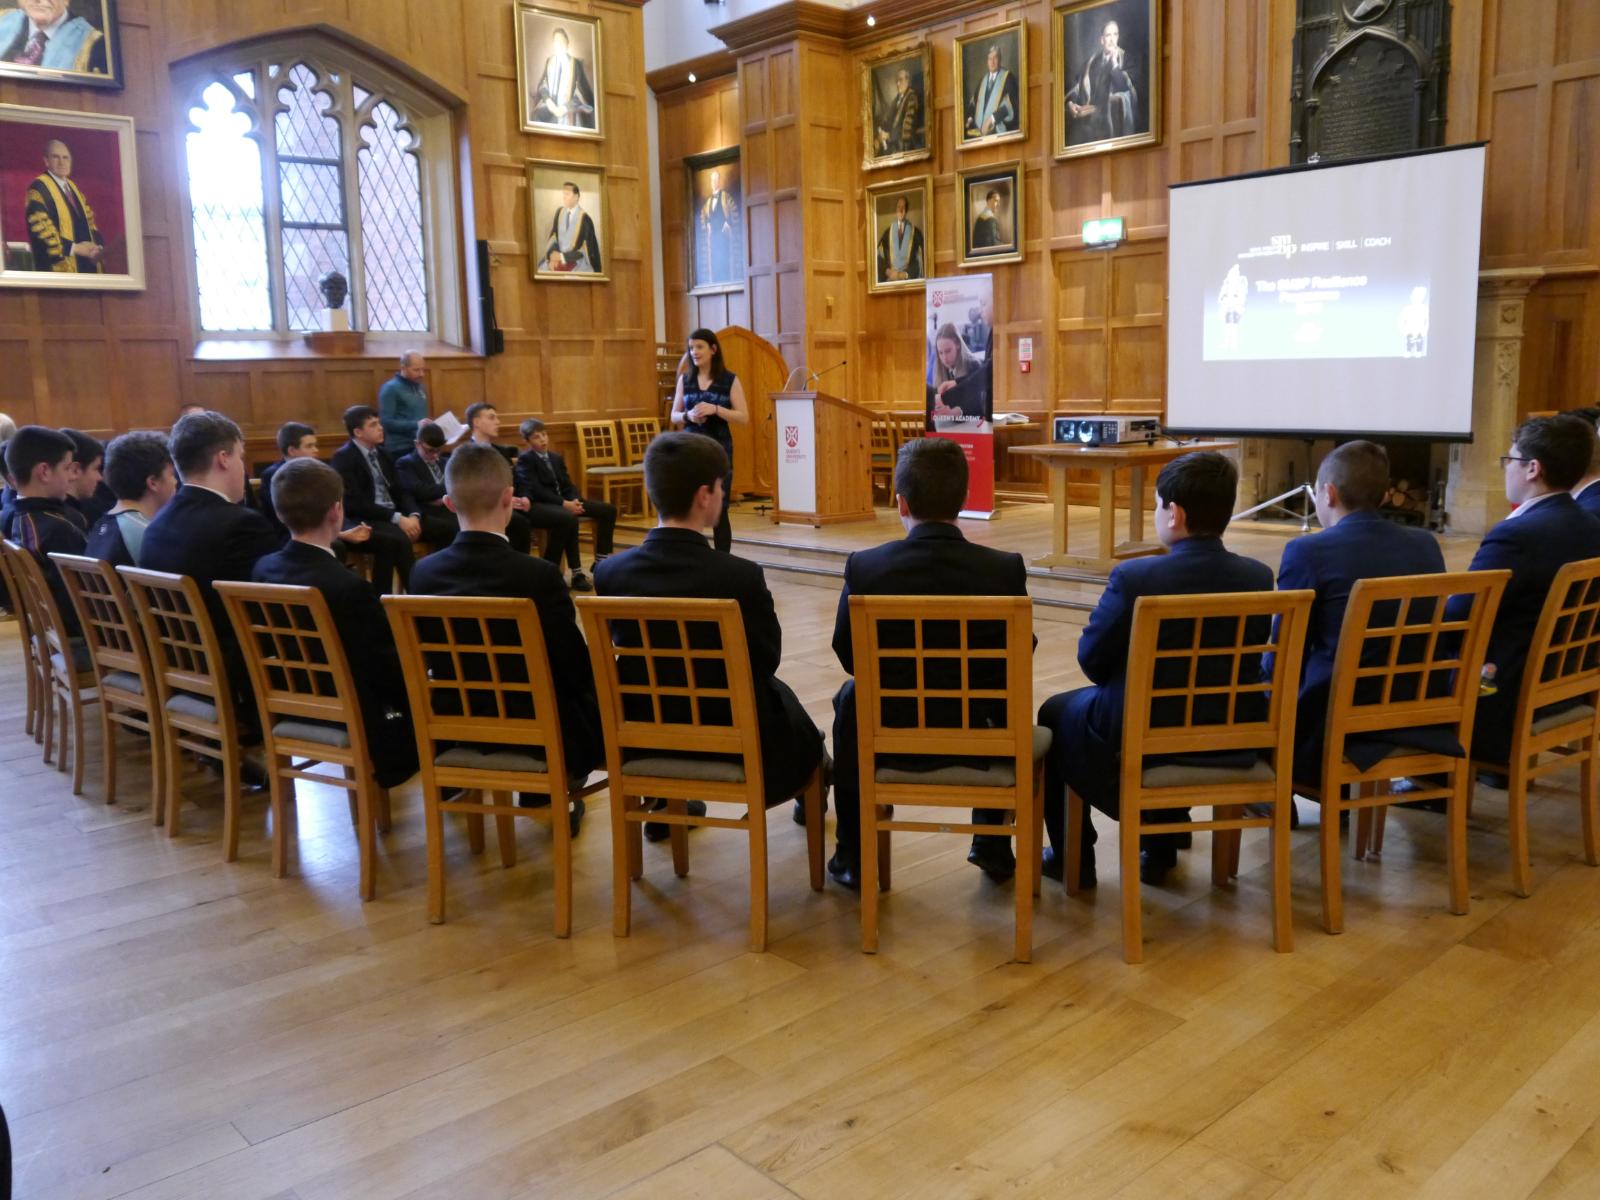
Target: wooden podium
{"points": [[824, 449]]}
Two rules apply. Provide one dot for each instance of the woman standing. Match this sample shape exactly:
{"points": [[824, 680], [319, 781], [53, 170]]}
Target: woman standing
{"points": [[709, 396]]}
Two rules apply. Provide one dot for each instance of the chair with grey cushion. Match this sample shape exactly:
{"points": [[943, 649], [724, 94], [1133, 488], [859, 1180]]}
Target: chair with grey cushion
{"points": [[121, 665], [601, 467], [944, 719], [483, 705], [678, 708], [68, 677], [37, 665], [310, 712], [192, 692], [1204, 728]]}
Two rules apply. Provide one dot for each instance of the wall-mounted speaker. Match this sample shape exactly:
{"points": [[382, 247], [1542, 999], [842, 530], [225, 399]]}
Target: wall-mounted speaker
{"points": [[494, 342]]}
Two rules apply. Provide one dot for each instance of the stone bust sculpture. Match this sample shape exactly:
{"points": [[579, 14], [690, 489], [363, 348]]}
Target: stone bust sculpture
{"points": [[334, 288]]}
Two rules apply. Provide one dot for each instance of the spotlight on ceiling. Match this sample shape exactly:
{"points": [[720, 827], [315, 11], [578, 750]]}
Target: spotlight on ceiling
{"points": [[871, 21], [691, 77]]}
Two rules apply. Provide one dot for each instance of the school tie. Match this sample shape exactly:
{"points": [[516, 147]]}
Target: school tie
{"points": [[380, 485], [33, 53]]}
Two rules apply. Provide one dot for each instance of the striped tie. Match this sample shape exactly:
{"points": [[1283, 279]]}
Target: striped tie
{"points": [[33, 53]]}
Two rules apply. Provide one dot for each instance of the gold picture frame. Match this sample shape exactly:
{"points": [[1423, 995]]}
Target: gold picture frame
{"points": [[882, 208], [85, 50], [561, 98], [575, 246], [714, 234], [1006, 103], [981, 243], [895, 130], [1100, 106]]}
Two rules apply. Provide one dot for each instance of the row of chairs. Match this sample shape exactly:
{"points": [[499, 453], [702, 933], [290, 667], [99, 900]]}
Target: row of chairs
{"points": [[890, 431], [937, 677], [613, 464]]}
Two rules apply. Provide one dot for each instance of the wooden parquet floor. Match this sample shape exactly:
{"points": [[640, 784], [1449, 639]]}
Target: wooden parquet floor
{"points": [[172, 1026]]}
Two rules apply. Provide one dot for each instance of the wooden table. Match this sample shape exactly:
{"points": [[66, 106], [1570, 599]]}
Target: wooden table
{"points": [[1059, 459]]}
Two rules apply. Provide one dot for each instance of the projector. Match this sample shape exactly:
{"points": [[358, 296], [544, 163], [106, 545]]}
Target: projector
{"points": [[1105, 431]]}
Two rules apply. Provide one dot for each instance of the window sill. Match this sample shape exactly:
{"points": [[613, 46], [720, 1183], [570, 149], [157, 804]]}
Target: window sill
{"points": [[221, 350]]}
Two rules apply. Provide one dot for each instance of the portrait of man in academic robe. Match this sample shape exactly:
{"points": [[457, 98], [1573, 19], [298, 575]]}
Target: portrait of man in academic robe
{"points": [[898, 215], [572, 244], [58, 41], [1105, 98], [991, 74], [567, 218], [61, 226], [716, 232], [558, 68], [894, 108], [991, 214]]}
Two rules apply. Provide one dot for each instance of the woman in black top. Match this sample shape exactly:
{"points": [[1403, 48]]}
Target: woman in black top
{"points": [[708, 398]]}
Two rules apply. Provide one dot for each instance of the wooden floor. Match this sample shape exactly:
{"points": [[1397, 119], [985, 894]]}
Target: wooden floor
{"points": [[173, 1026]]}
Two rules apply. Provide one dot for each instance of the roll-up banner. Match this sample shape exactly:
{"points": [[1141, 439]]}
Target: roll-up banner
{"points": [[960, 378]]}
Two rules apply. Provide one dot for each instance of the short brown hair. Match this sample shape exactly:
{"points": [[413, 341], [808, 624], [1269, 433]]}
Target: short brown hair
{"points": [[303, 492], [1562, 445], [676, 466], [476, 476], [931, 473], [1205, 485], [199, 437], [1360, 470]]}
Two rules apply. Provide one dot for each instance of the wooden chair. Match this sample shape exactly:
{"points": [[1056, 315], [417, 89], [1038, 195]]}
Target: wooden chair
{"points": [[69, 676], [1194, 687], [942, 677], [309, 709], [678, 708], [38, 712], [487, 723], [637, 434], [1403, 666], [197, 707], [123, 674], [884, 445], [600, 464], [908, 426], [1563, 668]]}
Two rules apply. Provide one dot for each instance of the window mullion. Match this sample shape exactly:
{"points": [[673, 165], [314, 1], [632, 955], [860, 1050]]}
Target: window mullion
{"points": [[350, 179], [273, 195]]}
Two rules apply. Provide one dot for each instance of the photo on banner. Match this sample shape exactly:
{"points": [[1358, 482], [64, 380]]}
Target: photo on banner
{"points": [[960, 376]]}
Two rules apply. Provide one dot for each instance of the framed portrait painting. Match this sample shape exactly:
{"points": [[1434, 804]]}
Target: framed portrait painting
{"points": [[559, 72], [716, 222], [1107, 91], [991, 214], [61, 41], [992, 85], [568, 239], [894, 107], [69, 201], [899, 219]]}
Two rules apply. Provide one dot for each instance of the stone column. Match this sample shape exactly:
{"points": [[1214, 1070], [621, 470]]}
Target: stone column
{"points": [[1474, 494]]}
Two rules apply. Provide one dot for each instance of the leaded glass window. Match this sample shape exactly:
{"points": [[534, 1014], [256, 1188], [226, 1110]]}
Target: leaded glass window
{"points": [[301, 161]]}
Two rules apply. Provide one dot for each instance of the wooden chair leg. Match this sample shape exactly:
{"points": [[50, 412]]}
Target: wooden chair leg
{"points": [[76, 704], [61, 732], [1072, 869], [1221, 850], [366, 835], [871, 854], [1128, 849], [174, 797], [1589, 806], [1332, 893], [635, 840], [814, 797], [384, 812], [1363, 834], [1456, 846], [158, 769], [623, 838], [475, 827], [108, 753], [885, 859], [1517, 828], [1038, 828], [47, 702], [282, 805], [561, 851], [1282, 882], [231, 802], [678, 835], [1026, 881], [757, 818], [433, 821], [505, 829]]}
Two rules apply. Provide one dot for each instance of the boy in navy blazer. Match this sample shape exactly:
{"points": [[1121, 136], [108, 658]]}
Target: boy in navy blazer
{"points": [[933, 559], [1545, 531], [41, 462], [555, 505], [1194, 501], [308, 497], [1355, 543], [1587, 490], [374, 496], [422, 476]]}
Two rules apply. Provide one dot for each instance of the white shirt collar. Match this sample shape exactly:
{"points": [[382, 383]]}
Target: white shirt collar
{"points": [[1531, 501]]}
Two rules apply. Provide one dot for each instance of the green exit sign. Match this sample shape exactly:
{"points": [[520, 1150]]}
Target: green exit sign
{"points": [[1103, 232]]}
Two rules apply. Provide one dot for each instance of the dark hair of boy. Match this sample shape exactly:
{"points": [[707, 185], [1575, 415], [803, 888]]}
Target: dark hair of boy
{"points": [[931, 473], [677, 466], [1359, 471], [199, 437], [476, 477], [303, 491], [291, 434], [132, 460], [530, 427], [474, 409], [1562, 445], [431, 436], [1205, 485], [85, 449], [33, 445], [358, 415]]}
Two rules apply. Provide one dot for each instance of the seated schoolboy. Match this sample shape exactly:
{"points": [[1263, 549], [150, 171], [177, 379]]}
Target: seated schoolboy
{"points": [[555, 505], [422, 475], [142, 477], [40, 462], [87, 495]]}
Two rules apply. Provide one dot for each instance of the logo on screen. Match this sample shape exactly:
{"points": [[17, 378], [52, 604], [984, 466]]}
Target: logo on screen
{"points": [[791, 436]]}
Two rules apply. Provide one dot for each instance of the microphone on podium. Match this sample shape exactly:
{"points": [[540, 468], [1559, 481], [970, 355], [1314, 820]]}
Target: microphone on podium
{"points": [[816, 375]]}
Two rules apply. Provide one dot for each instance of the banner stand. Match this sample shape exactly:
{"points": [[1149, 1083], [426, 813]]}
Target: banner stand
{"points": [[959, 402]]}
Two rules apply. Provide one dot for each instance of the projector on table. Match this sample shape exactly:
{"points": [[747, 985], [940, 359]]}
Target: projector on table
{"points": [[1105, 431]]}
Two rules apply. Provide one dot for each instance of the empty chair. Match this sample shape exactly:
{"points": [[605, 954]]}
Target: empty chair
{"points": [[678, 708], [601, 467], [309, 708], [944, 713], [197, 706], [1401, 703], [121, 663]]}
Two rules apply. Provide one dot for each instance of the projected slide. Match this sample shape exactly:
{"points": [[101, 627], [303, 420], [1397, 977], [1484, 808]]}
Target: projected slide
{"points": [[1300, 297], [1327, 300]]}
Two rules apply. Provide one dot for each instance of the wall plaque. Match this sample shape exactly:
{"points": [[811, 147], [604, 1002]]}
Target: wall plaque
{"points": [[1369, 77]]}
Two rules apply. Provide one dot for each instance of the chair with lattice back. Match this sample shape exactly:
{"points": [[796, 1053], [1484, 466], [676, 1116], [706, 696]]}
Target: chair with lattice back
{"points": [[1202, 728], [677, 704], [487, 725], [121, 665], [944, 719], [601, 465], [38, 713], [1401, 703], [1558, 712], [191, 676], [310, 710], [883, 443], [69, 679]]}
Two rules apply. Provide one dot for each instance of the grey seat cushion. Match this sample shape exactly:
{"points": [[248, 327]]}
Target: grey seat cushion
{"points": [[313, 731], [1565, 716], [501, 759], [713, 770], [1186, 775], [123, 681], [81, 662], [978, 772], [633, 470], [188, 705]]}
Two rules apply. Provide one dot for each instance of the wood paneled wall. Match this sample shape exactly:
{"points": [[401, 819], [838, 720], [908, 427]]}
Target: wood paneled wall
{"points": [[116, 361], [693, 120]]}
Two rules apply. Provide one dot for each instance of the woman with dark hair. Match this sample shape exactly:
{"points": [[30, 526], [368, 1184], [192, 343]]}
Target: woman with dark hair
{"points": [[709, 396]]}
